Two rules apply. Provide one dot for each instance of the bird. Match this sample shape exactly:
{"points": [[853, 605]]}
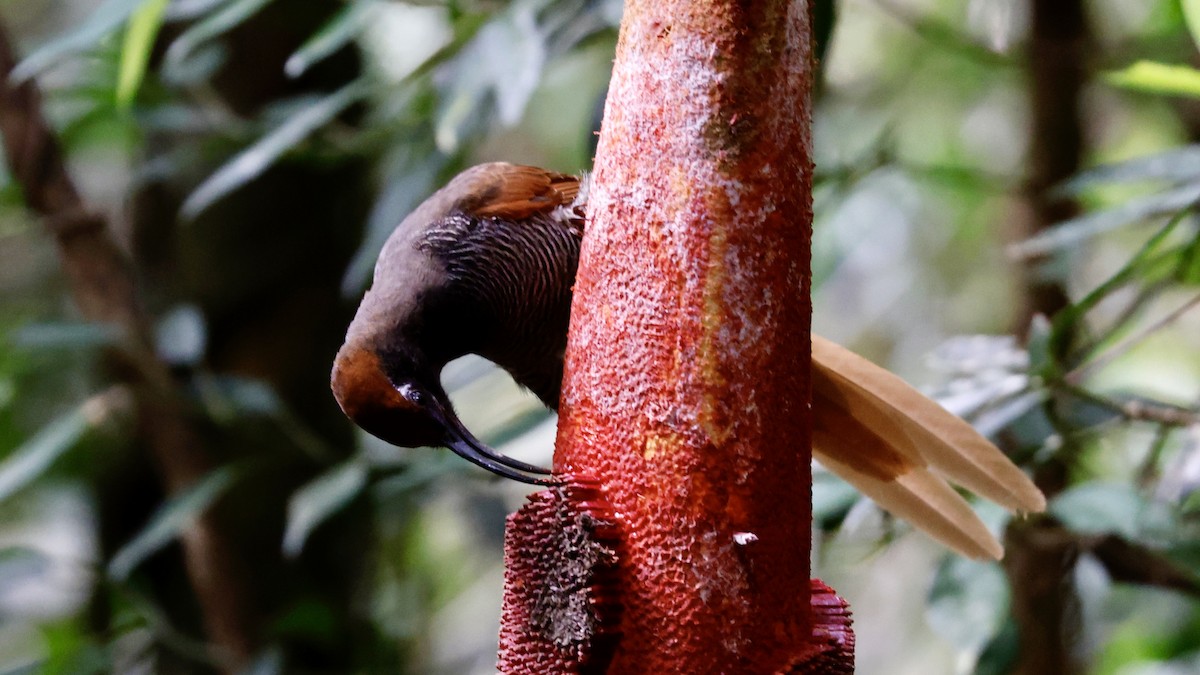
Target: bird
{"points": [[486, 266]]}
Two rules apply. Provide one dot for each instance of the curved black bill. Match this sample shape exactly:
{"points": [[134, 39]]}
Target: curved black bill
{"points": [[465, 445]]}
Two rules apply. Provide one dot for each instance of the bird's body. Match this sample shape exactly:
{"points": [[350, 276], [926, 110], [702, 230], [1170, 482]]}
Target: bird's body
{"points": [[486, 266]]}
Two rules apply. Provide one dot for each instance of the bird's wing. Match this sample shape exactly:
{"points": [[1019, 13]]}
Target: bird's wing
{"points": [[884, 437], [515, 192]]}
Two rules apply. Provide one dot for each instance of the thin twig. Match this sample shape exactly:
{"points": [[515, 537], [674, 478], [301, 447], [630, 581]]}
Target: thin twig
{"points": [[1081, 373], [1136, 410]]}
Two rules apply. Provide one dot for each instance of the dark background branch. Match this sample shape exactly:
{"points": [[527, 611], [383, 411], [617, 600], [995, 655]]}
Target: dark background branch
{"points": [[1040, 566], [104, 289]]}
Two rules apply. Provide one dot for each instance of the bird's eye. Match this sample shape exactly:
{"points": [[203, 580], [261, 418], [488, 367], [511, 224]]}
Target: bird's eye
{"points": [[414, 395]]}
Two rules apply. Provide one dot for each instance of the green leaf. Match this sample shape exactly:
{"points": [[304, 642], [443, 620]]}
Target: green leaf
{"points": [[832, 499], [1072, 232], [1110, 508], [999, 657], [84, 37], [1191, 503], [1178, 165], [339, 31], [1188, 270], [1157, 78], [69, 648], [35, 456], [1064, 322], [254, 160], [218, 23], [504, 61], [65, 335], [135, 52], [1041, 361], [1002, 415], [967, 602], [314, 503], [171, 519], [1191, 17], [405, 187]]}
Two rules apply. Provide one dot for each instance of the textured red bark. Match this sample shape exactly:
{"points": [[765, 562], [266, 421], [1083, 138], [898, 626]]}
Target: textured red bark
{"points": [[687, 374]]}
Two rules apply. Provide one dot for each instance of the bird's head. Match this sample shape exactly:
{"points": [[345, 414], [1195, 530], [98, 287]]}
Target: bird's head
{"points": [[403, 407]]}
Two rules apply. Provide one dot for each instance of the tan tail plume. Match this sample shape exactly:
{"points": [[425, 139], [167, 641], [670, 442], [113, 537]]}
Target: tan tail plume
{"points": [[899, 448]]}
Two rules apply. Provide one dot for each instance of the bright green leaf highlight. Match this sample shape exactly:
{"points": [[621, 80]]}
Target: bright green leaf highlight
{"points": [[175, 515], [1157, 78], [1191, 16], [135, 52]]}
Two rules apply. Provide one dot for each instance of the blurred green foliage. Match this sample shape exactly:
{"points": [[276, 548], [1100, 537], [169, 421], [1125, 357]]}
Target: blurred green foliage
{"points": [[254, 154]]}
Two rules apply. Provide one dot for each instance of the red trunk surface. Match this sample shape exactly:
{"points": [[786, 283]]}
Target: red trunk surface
{"points": [[687, 375]]}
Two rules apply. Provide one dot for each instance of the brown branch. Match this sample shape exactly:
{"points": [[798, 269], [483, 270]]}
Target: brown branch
{"points": [[1040, 566], [1131, 563], [1129, 343], [1039, 561], [103, 287], [1136, 410]]}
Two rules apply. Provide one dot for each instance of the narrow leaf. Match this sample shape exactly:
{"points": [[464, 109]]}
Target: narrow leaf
{"points": [[86, 36], [1178, 165], [190, 10], [314, 503], [1191, 17], [403, 190], [504, 61], [1157, 78], [35, 456], [1076, 230], [1037, 346], [992, 421], [254, 160], [135, 52], [222, 21], [345, 26], [66, 335], [1125, 274], [172, 518]]}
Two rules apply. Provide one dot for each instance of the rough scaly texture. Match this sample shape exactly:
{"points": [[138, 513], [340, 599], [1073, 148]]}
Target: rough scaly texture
{"points": [[686, 390], [561, 608]]}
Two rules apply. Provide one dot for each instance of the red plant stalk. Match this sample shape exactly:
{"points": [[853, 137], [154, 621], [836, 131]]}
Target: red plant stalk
{"points": [[686, 392]]}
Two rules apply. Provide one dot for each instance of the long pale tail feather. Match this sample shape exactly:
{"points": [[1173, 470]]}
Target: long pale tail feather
{"points": [[896, 478], [882, 436], [921, 497], [947, 443]]}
